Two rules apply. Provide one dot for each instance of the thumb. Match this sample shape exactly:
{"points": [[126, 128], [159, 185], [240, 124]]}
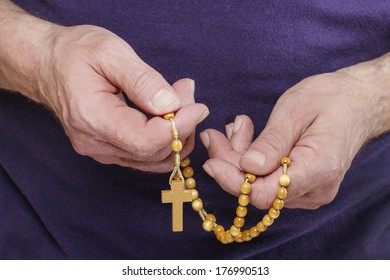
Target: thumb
{"points": [[143, 85], [277, 139]]}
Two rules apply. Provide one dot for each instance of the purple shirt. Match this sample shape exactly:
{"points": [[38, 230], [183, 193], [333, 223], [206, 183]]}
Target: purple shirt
{"points": [[243, 55]]}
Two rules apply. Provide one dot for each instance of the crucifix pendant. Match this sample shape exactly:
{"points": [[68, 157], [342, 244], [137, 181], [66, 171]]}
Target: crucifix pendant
{"points": [[176, 195]]}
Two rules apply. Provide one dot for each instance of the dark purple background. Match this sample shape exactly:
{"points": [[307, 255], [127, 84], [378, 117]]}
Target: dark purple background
{"points": [[243, 56]]}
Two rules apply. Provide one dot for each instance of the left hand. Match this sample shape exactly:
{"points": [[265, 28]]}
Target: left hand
{"points": [[320, 123]]}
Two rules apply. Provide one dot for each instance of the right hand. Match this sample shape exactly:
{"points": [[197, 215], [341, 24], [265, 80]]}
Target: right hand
{"points": [[86, 68]]}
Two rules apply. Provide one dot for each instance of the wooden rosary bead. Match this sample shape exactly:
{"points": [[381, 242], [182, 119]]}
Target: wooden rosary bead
{"points": [[243, 200], [185, 162], [278, 204], [254, 232], [282, 193], [246, 235], [250, 177], [177, 146], [219, 234], [238, 238], [218, 228], [245, 188], [267, 220], [208, 225], [261, 227], [234, 231], [188, 172], [194, 194], [223, 239], [229, 238], [169, 116], [211, 217], [197, 204], [190, 183], [284, 180], [285, 160], [241, 211], [239, 222], [273, 213]]}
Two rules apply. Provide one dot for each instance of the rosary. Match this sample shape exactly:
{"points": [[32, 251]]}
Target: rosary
{"points": [[183, 189]]}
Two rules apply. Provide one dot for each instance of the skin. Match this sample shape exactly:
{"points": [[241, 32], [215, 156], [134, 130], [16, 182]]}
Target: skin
{"points": [[79, 72], [320, 123]]}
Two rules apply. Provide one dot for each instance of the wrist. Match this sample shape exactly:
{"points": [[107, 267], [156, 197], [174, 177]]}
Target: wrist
{"points": [[25, 52], [370, 82]]}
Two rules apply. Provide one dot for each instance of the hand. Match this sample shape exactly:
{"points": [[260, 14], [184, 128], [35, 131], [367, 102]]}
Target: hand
{"points": [[84, 74], [320, 123], [80, 73]]}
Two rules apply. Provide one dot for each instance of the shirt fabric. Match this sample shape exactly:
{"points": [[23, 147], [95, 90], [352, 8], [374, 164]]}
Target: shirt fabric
{"points": [[56, 204]]}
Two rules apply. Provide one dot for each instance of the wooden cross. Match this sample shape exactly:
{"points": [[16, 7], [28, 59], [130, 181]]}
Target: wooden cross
{"points": [[176, 195]]}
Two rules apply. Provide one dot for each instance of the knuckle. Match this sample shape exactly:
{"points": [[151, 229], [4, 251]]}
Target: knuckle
{"points": [[80, 143], [76, 123], [77, 114], [326, 176], [105, 160], [95, 38], [144, 79], [324, 198], [333, 171], [272, 140], [294, 99], [82, 149], [311, 206]]}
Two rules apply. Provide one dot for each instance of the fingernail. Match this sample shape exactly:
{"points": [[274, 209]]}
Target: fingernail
{"points": [[203, 116], [204, 136], [237, 124], [164, 98], [229, 131], [192, 85], [208, 170], [256, 156]]}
